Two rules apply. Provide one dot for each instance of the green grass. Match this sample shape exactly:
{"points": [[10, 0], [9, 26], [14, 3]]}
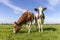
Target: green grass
{"points": [[51, 32]]}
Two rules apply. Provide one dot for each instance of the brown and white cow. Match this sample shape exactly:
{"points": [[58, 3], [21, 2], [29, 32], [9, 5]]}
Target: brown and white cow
{"points": [[26, 18], [39, 18]]}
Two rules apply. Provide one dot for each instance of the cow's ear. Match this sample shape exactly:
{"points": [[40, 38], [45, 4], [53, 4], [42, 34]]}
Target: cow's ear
{"points": [[15, 23], [44, 9], [36, 9]]}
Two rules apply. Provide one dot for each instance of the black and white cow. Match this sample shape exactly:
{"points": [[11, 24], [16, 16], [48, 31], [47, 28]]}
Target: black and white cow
{"points": [[39, 18]]}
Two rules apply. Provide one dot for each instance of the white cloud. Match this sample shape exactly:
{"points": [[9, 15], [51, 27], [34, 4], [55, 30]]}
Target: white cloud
{"points": [[52, 4], [15, 8]]}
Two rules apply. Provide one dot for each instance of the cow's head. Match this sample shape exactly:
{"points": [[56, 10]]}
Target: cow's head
{"points": [[40, 10], [16, 27]]}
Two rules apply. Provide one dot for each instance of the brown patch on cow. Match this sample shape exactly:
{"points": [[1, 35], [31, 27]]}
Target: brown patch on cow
{"points": [[26, 17]]}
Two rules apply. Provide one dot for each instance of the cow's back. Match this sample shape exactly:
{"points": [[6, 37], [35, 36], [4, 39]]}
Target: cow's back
{"points": [[26, 16]]}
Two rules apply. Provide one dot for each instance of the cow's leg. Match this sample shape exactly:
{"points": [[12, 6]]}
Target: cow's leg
{"points": [[42, 25], [42, 28], [28, 27], [38, 26]]}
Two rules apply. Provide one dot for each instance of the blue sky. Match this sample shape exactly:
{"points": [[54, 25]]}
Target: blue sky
{"points": [[11, 10]]}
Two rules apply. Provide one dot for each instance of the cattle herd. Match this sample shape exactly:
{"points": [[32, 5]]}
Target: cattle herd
{"points": [[28, 17]]}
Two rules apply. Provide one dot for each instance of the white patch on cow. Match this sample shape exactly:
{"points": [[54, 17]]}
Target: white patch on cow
{"points": [[40, 10], [36, 15]]}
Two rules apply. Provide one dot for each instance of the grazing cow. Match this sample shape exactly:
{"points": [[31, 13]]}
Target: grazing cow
{"points": [[26, 18], [39, 18]]}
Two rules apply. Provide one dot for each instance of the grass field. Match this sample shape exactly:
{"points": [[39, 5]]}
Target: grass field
{"points": [[51, 32]]}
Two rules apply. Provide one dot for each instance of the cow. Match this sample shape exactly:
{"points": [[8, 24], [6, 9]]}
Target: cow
{"points": [[26, 18], [39, 18]]}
